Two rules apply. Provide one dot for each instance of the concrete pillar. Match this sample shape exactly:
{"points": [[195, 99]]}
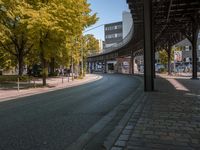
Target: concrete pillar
{"points": [[148, 47], [194, 51], [153, 59], [105, 66], [169, 58], [131, 63]]}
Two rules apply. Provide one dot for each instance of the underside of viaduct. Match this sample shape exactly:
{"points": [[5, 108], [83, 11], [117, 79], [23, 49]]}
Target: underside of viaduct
{"points": [[157, 24]]}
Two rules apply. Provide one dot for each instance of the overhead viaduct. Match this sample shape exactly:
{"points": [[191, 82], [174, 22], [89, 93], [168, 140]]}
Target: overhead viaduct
{"points": [[156, 24]]}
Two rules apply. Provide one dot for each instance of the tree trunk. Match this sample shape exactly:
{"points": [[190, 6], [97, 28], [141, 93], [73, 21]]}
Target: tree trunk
{"points": [[44, 65], [44, 71], [20, 65], [52, 66]]}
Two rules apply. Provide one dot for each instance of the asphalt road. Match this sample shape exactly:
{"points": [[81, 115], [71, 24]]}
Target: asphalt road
{"points": [[52, 121]]}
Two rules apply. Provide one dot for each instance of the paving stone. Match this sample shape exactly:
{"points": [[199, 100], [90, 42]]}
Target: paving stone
{"points": [[153, 137], [129, 127], [147, 132], [169, 119], [116, 148], [124, 137], [127, 132], [136, 148], [120, 143], [195, 141]]}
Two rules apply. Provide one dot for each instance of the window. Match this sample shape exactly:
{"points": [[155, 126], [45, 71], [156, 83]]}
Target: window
{"points": [[119, 35], [198, 47], [187, 59], [190, 48], [182, 48], [110, 36], [187, 48], [199, 59]]}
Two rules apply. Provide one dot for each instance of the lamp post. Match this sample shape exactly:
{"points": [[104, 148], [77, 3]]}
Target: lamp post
{"points": [[82, 57], [72, 62], [82, 71]]}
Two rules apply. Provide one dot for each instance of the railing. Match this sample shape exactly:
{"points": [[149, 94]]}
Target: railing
{"points": [[117, 46]]}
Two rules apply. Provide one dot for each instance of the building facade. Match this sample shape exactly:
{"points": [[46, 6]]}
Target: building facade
{"points": [[186, 48], [113, 33]]}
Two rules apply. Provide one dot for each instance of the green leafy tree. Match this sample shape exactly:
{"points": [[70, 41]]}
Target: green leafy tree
{"points": [[91, 44], [14, 32], [43, 30], [163, 57], [54, 21], [6, 60]]}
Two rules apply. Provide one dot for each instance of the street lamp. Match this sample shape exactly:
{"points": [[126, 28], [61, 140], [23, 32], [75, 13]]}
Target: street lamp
{"points": [[82, 57]]}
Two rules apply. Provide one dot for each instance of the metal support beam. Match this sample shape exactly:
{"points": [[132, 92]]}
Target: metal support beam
{"points": [[169, 58], [105, 66], [195, 32], [132, 64], [148, 47], [154, 59]]}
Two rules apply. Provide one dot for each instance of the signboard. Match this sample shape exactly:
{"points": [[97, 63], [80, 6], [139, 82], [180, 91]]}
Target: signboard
{"points": [[177, 56]]}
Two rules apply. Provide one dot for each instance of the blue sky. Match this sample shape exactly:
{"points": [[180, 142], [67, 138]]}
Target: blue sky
{"points": [[108, 11]]}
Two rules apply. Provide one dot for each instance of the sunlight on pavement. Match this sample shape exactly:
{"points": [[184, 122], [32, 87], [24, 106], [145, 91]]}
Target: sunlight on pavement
{"points": [[178, 85]]}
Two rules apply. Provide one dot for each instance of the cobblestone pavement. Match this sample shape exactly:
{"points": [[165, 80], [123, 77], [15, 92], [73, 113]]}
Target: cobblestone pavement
{"points": [[53, 84], [168, 119]]}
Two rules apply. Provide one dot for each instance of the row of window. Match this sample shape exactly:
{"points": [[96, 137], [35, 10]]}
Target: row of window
{"points": [[111, 36], [188, 59], [188, 48], [113, 27]]}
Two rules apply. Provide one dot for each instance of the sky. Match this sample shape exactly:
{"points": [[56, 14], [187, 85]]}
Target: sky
{"points": [[108, 11]]}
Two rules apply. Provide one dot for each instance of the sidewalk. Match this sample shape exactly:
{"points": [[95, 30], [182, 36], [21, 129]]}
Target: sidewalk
{"points": [[53, 84], [167, 119], [182, 75]]}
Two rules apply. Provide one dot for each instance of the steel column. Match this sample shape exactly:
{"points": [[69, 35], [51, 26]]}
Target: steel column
{"points": [[132, 64], [153, 59], [194, 51], [105, 66], [169, 58], [148, 47]]}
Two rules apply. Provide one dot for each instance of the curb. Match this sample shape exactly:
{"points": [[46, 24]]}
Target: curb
{"points": [[113, 137], [100, 125]]}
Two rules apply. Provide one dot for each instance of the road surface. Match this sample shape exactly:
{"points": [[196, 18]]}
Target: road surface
{"points": [[54, 120]]}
